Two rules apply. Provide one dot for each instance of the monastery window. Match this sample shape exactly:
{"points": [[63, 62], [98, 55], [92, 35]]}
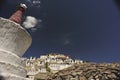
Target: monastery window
{"points": [[27, 76]]}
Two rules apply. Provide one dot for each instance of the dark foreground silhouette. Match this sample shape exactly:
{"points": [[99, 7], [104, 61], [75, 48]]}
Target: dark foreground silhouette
{"points": [[117, 3], [1, 78]]}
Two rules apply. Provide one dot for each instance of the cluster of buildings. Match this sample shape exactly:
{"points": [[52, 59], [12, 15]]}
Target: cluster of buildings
{"points": [[50, 63]]}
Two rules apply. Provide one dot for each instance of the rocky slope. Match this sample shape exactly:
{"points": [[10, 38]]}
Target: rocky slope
{"points": [[89, 71]]}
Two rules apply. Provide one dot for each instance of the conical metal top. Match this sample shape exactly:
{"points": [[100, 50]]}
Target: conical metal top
{"points": [[17, 16]]}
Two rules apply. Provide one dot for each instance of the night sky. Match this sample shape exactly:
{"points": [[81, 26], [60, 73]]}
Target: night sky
{"points": [[84, 29]]}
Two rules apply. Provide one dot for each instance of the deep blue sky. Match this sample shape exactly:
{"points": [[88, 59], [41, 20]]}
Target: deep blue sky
{"points": [[85, 29]]}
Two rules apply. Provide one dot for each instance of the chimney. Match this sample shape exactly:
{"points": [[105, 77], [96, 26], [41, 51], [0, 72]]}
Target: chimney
{"points": [[17, 16]]}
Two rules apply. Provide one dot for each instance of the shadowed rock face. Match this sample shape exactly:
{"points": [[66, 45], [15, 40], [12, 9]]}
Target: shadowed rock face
{"points": [[89, 71]]}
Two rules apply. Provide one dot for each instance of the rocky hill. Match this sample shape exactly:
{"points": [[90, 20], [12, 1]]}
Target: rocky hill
{"points": [[89, 71]]}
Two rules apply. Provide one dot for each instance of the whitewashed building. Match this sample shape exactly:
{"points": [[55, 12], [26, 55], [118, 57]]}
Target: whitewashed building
{"points": [[49, 63]]}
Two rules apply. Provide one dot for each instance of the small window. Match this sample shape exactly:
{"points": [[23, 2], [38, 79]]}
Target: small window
{"points": [[27, 76]]}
